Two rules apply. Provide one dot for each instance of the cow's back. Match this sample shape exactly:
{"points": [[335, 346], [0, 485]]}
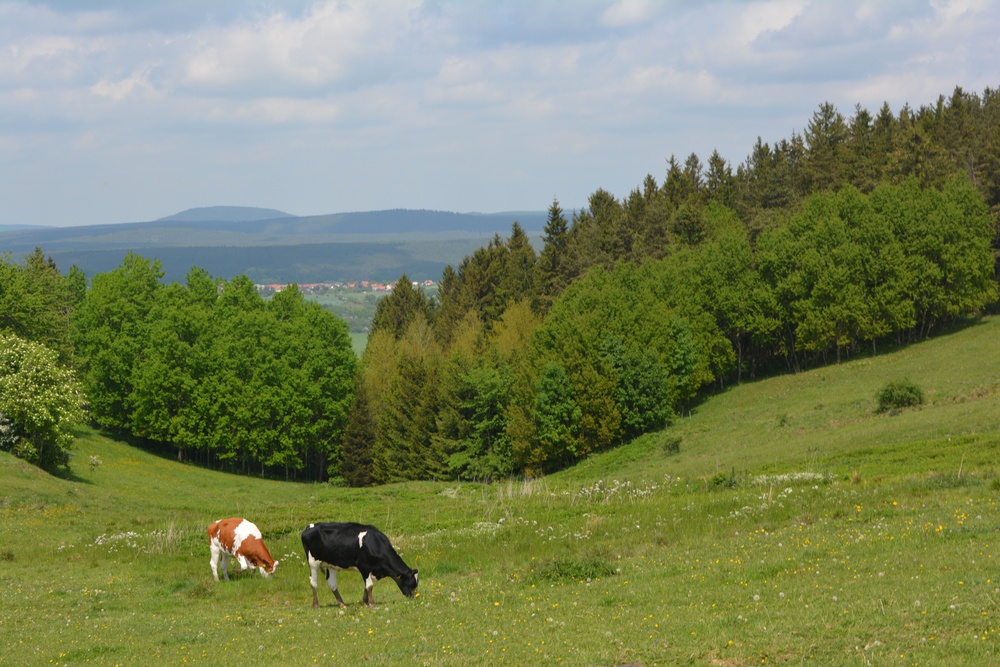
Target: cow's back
{"points": [[339, 544], [223, 532]]}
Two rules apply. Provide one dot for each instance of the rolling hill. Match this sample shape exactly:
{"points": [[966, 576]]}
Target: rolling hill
{"points": [[272, 246]]}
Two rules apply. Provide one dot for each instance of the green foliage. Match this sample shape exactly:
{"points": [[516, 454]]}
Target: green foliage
{"points": [[642, 391], [35, 302], [212, 369], [725, 480], [406, 444], [488, 282], [355, 464], [897, 395], [400, 307], [826, 139], [40, 403], [109, 329], [557, 419], [553, 262], [631, 360], [671, 444], [482, 450]]}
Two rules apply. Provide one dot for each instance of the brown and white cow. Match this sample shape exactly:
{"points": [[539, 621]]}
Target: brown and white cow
{"points": [[241, 539]]}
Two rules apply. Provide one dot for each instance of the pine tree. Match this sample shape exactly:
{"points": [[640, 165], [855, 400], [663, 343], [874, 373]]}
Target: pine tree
{"points": [[355, 464], [398, 309], [826, 138], [552, 263]]}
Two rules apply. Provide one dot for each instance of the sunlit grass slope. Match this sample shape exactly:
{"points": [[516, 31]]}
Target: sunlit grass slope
{"points": [[782, 522]]}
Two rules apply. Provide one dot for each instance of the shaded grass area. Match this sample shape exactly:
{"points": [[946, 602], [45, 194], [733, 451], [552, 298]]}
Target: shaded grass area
{"points": [[782, 522]]}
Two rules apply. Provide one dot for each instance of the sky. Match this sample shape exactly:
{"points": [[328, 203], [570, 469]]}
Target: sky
{"points": [[118, 111]]}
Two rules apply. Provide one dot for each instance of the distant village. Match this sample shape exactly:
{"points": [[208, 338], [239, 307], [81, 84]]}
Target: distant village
{"points": [[352, 286]]}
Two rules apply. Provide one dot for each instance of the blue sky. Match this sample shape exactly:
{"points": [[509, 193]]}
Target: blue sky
{"points": [[120, 111]]}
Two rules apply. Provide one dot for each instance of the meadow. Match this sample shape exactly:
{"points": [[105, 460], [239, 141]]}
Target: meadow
{"points": [[782, 521]]}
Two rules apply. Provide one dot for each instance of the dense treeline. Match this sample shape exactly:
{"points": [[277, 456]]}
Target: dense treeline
{"points": [[206, 367], [868, 229], [210, 368], [863, 231]]}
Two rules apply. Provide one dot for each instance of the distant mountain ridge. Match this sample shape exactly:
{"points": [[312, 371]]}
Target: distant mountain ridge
{"points": [[225, 214], [228, 240], [10, 228]]}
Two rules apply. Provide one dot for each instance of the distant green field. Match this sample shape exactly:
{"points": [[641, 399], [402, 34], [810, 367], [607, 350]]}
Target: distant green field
{"points": [[359, 341], [782, 522], [355, 308]]}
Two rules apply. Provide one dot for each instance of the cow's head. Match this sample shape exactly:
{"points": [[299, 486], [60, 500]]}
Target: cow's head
{"points": [[407, 583], [267, 571]]}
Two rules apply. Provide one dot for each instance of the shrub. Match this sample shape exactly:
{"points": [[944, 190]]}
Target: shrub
{"points": [[569, 568], [672, 444], [725, 480], [897, 395]]}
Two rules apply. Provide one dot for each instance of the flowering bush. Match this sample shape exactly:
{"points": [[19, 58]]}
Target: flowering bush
{"points": [[39, 400]]}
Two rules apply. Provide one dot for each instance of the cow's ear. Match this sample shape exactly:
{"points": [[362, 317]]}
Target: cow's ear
{"points": [[414, 574]]}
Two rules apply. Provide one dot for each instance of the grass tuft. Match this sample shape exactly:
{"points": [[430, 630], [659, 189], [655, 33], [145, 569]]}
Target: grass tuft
{"points": [[205, 588], [568, 569]]}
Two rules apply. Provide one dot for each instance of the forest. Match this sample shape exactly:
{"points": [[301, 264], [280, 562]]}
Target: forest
{"points": [[865, 232]]}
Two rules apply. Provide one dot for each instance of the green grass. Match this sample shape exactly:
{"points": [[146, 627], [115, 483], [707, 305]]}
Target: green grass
{"points": [[792, 525]]}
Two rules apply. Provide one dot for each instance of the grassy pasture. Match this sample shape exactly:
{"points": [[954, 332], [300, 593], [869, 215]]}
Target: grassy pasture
{"points": [[355, 308], [793, 526]]}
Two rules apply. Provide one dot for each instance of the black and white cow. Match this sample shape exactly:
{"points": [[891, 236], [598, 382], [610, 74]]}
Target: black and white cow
{"points": [[333, 546]]}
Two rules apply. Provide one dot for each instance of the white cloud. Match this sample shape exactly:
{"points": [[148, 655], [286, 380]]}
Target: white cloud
{"points": [[284, 111], [24, 95], [950, 10], [761, 18], [41, 58], [627, 13], [691, 84], [321, 48], [86, 141], [121, 89]]}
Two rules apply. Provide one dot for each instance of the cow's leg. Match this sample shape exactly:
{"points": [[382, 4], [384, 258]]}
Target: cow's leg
{"points": [[244, 564], [331, 581], [215, 561], [369, 596], [225, 565], [314, 578]]}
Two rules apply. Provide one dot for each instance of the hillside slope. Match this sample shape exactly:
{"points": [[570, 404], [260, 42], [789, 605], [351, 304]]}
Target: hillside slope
{"points": [[820, 417], [793, 525]]}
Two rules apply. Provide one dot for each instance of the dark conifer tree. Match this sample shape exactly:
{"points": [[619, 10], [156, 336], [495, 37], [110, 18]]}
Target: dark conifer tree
{"points": [[355, 464], [398, 309], [719, 181], [826, 138], [552, 263], [519, 273]]}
